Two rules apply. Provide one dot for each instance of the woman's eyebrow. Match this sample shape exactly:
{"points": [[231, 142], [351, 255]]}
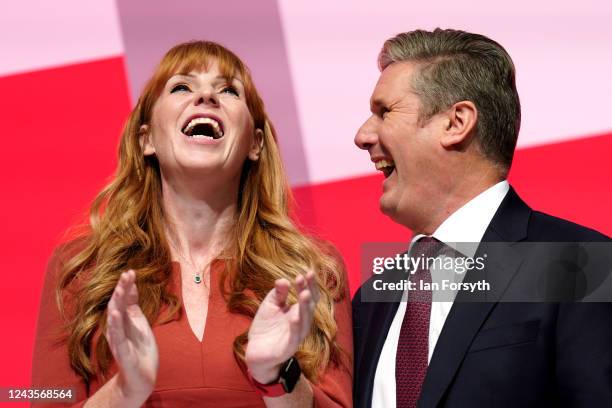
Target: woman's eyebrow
{"points": [[218, 78]]}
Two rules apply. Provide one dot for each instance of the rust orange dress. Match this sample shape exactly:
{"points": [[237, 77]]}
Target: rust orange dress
{"points": [[191, 373]]}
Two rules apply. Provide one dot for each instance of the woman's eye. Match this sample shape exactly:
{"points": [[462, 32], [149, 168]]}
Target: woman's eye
{"points": [[231, 90], [179, 87]]}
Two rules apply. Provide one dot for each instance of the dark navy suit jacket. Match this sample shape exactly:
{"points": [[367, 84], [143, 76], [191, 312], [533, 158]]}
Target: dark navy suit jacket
{"points": [[505, 354]]}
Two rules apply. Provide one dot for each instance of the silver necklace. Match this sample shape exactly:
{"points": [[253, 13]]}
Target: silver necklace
{"points": [[197, 276]]}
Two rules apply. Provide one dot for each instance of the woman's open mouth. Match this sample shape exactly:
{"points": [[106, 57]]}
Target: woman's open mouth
{"points": [[203, 127]]}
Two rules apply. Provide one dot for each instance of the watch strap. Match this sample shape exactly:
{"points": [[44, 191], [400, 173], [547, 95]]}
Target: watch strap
{"points": [[289, 375], [275, 389]]}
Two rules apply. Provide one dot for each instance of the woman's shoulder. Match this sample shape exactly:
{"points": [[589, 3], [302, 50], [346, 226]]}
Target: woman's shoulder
{"points": [[61, 256]]}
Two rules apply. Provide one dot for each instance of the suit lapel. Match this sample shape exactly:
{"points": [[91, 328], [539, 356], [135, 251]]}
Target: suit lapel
{"points": [[509, 225], [373, 321], [374, 334]]}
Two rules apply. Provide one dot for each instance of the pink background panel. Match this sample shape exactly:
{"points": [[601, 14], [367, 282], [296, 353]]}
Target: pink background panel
{"points": [[563, 55], [36, 34]]}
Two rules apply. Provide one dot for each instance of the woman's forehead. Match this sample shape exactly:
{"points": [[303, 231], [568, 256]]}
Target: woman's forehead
{"points": [[194, 67]]}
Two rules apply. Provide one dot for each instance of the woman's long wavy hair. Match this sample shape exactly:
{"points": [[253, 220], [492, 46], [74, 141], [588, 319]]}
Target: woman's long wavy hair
{"points": [[126, 230]]}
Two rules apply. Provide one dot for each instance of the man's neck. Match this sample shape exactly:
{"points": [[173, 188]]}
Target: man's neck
{"points": [[455, 195]]}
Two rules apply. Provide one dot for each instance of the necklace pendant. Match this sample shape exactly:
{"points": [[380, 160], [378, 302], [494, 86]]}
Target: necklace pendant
{"points": [[197, 279]]}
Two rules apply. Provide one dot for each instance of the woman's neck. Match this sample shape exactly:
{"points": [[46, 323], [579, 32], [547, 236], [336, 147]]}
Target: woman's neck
{"points": [[198, 223]]}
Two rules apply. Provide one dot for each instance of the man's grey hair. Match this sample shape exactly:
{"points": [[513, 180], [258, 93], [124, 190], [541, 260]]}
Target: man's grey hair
{"points": [[453, 66]]}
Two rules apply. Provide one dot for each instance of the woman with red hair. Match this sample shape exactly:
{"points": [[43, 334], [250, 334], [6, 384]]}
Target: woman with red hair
{"points": [[192, 285]]}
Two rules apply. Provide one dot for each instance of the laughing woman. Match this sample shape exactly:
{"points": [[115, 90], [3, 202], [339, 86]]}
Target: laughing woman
{"points": [[192, 286]]}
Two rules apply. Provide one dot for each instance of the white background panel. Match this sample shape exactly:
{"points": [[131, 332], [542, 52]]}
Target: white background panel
{"points": [[37, 34], [563, 54]]}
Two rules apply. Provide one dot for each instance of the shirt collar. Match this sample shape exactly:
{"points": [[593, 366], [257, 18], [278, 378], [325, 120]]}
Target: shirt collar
{"points": [[469, 223]]}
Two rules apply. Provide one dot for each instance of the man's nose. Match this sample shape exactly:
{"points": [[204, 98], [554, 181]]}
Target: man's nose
{"points": [[207, 97], [366, 136]]}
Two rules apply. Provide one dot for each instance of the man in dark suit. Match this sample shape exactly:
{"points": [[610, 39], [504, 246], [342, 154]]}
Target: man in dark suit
{"points": [[444, 124]]}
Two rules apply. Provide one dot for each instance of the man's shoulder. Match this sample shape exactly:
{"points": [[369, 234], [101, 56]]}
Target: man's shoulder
{"points": [[545, 227], [516, 220]]}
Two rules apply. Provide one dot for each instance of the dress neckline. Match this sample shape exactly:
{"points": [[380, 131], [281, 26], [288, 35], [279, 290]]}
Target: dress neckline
{"points": [[212, 298]]}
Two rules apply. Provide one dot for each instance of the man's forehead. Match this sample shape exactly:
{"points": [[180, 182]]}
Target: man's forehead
{"points": [[394, 80]]}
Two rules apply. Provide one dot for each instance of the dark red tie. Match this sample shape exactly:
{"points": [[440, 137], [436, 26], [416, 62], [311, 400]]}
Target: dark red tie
{"points": [[413, 344]]}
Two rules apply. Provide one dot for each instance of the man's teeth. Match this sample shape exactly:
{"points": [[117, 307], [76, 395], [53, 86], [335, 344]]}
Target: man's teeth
{"points": [[204, 121], [386, 166], [381, 164]]}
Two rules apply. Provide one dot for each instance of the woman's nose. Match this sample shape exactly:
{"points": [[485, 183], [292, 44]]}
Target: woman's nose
{"points": [[207, 97]]}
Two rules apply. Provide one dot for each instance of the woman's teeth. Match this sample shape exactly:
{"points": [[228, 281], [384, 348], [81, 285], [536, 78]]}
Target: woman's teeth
{"points": [[203, 128]]}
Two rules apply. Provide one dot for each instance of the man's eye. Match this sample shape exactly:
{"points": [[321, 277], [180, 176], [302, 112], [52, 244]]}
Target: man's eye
{"points": [[383, 112], [231, 90], [180, 87]]}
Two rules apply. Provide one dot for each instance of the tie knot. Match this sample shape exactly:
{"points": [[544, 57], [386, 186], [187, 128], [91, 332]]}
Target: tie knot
{"points": [[427, 246]]}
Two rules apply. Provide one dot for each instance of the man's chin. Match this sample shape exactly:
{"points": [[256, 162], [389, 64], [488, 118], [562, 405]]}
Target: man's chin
{"points": [[387, 207], [390, 207]]}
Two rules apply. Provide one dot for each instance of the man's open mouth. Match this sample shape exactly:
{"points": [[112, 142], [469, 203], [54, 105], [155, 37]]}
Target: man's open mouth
{"points": [[386, 166], [203, 127]]}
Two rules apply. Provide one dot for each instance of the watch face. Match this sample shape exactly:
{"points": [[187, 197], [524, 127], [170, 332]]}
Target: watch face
{"points": [[290, 374]]}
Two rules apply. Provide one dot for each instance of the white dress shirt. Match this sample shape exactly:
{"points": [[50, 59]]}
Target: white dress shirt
{"points": [[468, 224]]}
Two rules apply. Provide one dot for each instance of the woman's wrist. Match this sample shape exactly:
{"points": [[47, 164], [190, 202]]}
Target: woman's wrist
{"points": [[129, 395], [115, 394], [264, 374]]}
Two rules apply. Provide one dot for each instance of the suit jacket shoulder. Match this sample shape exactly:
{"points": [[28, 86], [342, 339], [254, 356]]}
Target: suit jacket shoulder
{"points": [[544, 227]]}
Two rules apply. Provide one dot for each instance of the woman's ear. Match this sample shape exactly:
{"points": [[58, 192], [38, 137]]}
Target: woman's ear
{"points": [[144, 138], [257, 145]]}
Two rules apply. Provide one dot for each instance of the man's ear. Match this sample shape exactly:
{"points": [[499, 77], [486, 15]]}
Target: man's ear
{"points": [[257, 145], [459, 123], [144, 138]]}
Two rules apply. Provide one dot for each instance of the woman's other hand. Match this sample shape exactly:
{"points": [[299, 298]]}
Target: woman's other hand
{"points": [[278, 329], [131, 341]]}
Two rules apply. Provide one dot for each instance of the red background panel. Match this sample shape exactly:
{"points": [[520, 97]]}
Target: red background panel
{"points": [[59, 129], [571, 180], [347, 214]]}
